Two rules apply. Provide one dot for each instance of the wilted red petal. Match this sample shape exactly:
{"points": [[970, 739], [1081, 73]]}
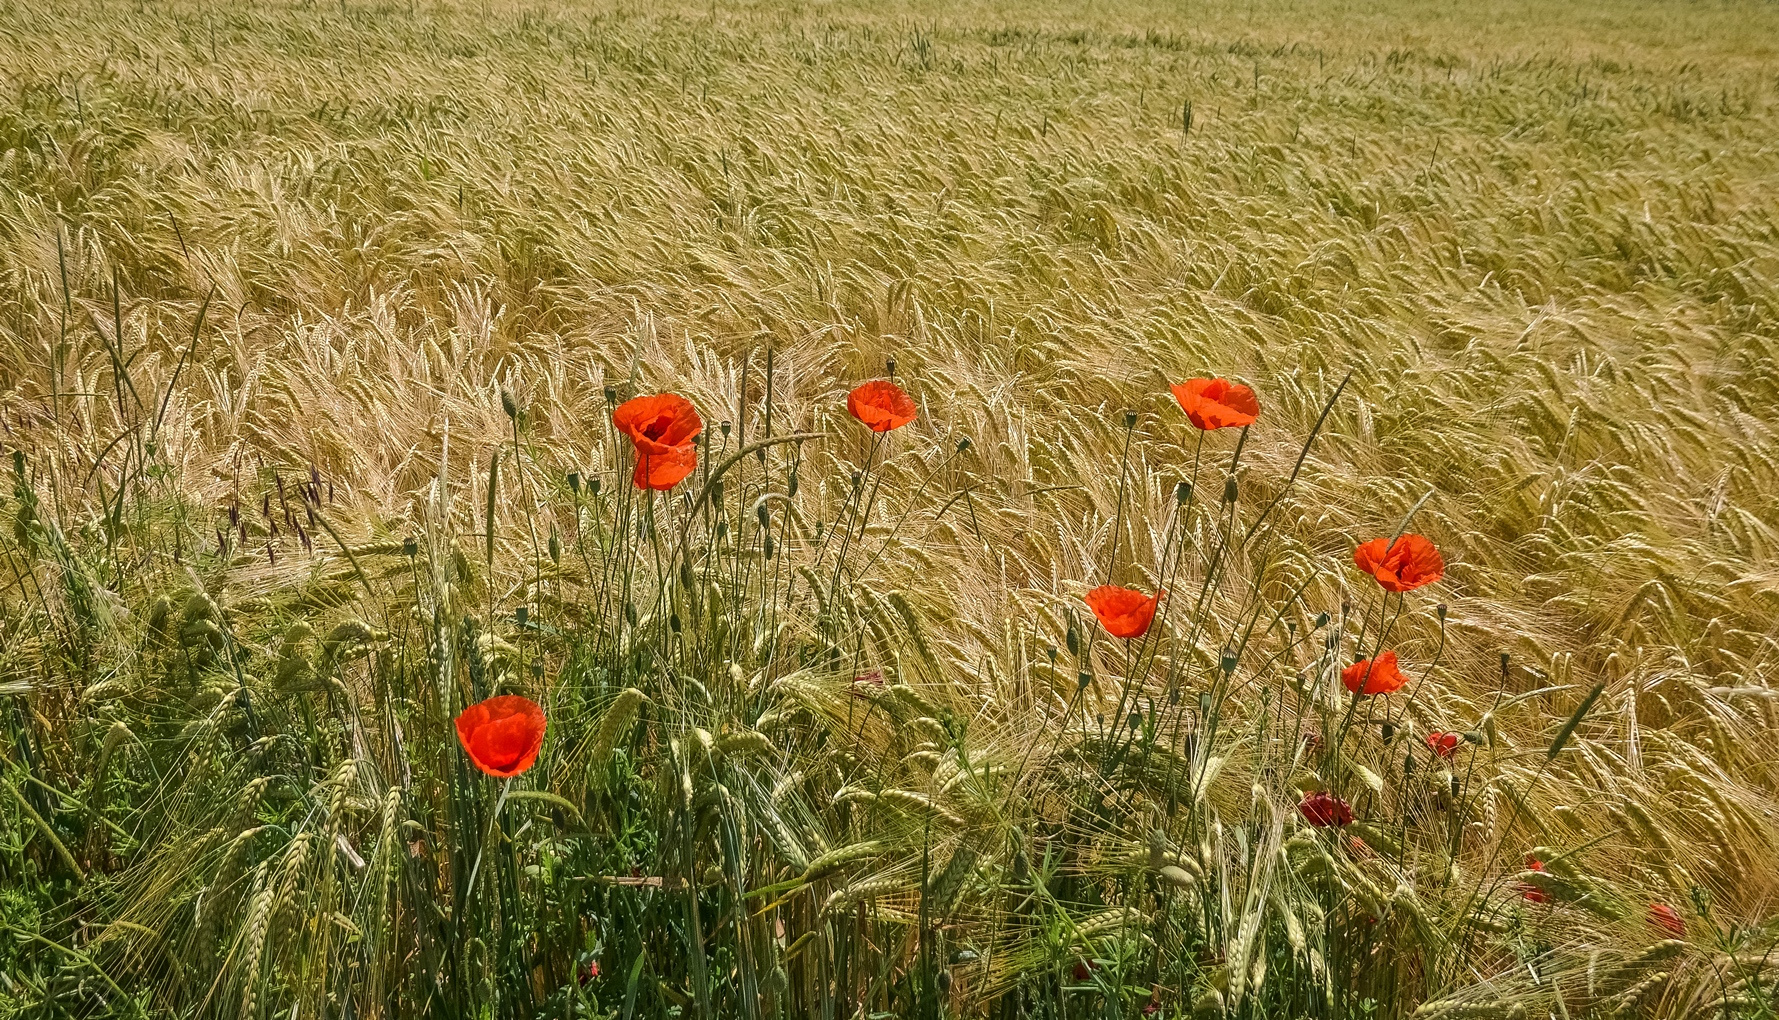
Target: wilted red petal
{"points": [[502, 734], [1443, 744], [1216, 403], [1410, 562], [1374, 676], [881, 405], [1124, 612], [1668, 919], [1323, 809], [658, 424]]}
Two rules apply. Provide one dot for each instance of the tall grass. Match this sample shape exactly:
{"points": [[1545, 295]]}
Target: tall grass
{"points": [[312, 317]]}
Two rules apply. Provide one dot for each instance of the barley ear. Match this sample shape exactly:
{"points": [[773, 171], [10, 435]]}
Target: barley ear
{"points": [[1568, 730]]}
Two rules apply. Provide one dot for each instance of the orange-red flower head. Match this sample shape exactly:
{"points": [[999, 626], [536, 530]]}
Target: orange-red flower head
{"points": [[1374, 676], [1217, 403], [1124, 612], [502, 734], [881, 405], [1443, 744], [1324, 809], [664, 429], [1667, 919], [1408, 563]]}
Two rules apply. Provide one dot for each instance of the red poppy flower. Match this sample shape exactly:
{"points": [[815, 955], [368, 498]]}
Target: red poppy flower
{"points": [[502, 734], [1532, 893], [1667, 919], [1324, 809], [1374, 676], [881, 405], [1124, 612], [1443, 744], [1408, 563], [663, 428], [1084, 968], [1217, 403]]}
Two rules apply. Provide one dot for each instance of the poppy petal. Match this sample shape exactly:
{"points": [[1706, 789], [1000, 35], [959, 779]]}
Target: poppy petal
{"points": [[502, 735], [881, 405]]}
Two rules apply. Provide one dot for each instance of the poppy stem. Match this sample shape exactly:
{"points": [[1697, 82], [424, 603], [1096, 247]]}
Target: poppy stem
{"points": [[469, 894], [1130, 424]]}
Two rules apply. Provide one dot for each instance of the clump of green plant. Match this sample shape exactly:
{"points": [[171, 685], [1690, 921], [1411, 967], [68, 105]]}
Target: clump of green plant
{"points": [[645, 736]]}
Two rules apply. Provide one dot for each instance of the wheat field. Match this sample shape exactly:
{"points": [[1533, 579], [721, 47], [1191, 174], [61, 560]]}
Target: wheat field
{"points": [[314, 317]]}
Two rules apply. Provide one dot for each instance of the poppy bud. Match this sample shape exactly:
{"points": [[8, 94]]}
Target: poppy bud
{"points": [[722, 529], [1408, 765], [943, 979], [673, 623], [1440, 609], [889, 365], [1229, 489], [1504, 664], [1082, 679], [963, 444], [686, 578], [520, 615], [1472, 737], [790, 488], [1389, 730], [1182, 492], [1204, 703], [593, 485], [1073, 639], [716, 492], [1136, 720], [1455, 786], [1321, 620], [771, 547], [1228, 662], [764, 515], [723, 426], [410, 548], [508, 404], [555, 549], [630, 612], [1052, 651], [611, 395], [1130, 419]]}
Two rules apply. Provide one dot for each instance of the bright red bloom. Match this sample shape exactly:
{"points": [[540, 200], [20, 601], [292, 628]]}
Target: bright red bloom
{"points": [[1443, 744], [663, 428], [1324, 809], [1532, 893], [1124, 612], [1408, 563], [1217, 403], [1374, 676], [502, 734], [1667, 919], [881, 405]]}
